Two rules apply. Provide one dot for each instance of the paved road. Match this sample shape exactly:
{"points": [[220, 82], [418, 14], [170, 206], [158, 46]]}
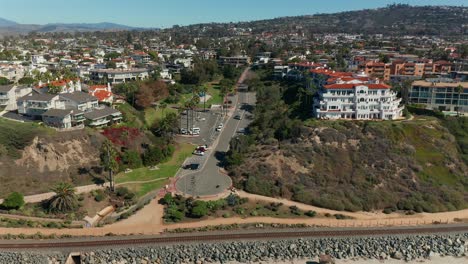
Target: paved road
{"points": [[209, 180]]}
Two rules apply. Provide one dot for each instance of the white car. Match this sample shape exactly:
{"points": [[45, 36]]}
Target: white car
{"points": [[183, 131], [199, 153]]}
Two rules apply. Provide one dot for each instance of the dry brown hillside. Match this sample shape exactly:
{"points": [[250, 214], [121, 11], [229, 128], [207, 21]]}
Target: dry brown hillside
{"points": [[33, 158], [412, 165]]}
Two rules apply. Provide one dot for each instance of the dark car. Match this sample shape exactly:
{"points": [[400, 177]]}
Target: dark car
{"points": [[238, 117], [194, 166]]}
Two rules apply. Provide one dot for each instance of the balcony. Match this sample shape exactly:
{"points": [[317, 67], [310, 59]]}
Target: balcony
{"points": [[99, 122]]}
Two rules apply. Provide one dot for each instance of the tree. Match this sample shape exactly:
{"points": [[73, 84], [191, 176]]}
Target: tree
{"points": [[109, 161], [111, 65], [64, 199], [4, 81], [167, 126], [132, 159], [144, 97], [199, 209], [14, 200], [53, 89], [204, 90], [163, 107], [26, 81]]}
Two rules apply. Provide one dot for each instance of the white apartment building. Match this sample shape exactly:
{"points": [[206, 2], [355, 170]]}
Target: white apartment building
{"points": [[118, 76], [10, 93], [357, 100]]}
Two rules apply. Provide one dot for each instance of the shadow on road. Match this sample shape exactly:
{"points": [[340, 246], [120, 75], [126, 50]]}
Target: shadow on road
{"points": [[247, 107], [220, 157]]}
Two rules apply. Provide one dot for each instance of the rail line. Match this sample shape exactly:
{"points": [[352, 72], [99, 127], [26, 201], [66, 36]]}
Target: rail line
{"points": [[230, 236]]}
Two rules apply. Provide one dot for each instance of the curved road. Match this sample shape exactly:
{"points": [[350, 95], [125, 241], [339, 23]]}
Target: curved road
{"points": [[209, 180]]}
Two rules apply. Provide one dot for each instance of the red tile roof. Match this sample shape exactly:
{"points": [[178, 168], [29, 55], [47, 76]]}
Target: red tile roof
{"points": [[102, 95], [352, 86]]}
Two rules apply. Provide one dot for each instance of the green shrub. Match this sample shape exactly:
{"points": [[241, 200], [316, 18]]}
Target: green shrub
{"points": [[199, 209], [14, 200], [311, 213]]}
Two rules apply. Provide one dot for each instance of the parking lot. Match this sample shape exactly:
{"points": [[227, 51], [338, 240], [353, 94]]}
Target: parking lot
{"points": [[208, 179]]}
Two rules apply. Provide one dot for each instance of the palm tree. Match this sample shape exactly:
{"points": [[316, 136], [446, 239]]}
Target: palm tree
{"points": [[204, 90], [187, 106], [195, 101], [222, 93], [64, 199], [459, 91], [108, 161], [163, 106]]}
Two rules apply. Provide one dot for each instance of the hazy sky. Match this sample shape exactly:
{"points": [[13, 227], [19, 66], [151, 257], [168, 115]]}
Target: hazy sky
{"points": [[165, 13]]}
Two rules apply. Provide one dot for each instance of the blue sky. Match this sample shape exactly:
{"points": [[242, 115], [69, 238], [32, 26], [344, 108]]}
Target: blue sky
{"points": [[165, 13]]}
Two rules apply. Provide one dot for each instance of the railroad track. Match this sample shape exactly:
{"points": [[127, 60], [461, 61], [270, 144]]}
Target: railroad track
{"points": [[262, 235]]}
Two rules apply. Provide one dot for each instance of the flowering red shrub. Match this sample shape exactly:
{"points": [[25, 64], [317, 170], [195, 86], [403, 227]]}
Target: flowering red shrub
{"points": [[121, 136]]}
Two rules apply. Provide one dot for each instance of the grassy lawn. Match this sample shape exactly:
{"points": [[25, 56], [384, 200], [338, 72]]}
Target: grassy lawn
{"points": [[154, 114], [166, 170], [216, 98], [144, 188]]}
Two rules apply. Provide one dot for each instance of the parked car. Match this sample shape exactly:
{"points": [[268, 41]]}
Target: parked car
{"points": [[202, 147], [183, 131], [199, 153], [219, 127], [238, 117], [195, 131], [192, 166], [241, 131]]}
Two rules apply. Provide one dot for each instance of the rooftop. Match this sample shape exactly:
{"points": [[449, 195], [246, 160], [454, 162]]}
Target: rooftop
{"points": [[100, 113], [80, 97], [57, 112], [440, 84]]}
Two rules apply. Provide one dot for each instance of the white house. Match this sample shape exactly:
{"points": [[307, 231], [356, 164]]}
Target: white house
{"points": [[118, 76], [79, 100], [357, 100], [35, 104], [10, 93]]}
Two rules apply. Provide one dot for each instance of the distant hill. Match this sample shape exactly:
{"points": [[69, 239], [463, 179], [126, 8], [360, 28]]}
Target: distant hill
{"points": [[6, 23], [395, 19], [11, 27]]}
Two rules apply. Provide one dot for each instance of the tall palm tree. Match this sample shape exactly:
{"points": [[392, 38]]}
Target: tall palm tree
{"points": [[187, 106], [64, 199], [109, 162], [459, 91], [163, 106], [204, 90], [195, 101]]}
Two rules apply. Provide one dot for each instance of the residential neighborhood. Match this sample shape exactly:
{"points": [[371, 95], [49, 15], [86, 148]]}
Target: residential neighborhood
{"points": [[234, 132]]}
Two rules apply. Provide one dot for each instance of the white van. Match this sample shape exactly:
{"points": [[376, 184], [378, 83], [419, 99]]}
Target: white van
{"points": [[195, 131]]}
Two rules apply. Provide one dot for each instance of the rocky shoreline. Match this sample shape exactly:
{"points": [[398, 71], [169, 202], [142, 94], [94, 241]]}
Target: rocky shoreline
{"points": [[405, 248]]}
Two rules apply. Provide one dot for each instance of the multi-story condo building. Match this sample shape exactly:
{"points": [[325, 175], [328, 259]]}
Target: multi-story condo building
{"points": [[440, 94], [398, 69], [67, 110], [234, 61], [356, 98], [10, 93], [114, 76]]}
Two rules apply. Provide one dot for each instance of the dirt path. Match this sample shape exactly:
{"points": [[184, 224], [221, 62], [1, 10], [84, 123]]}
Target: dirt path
{"points": [[149, 221]]}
